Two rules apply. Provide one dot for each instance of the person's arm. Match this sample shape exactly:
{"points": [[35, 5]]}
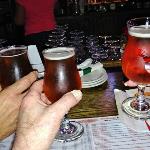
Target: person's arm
{"points": [[19, 15], [10, 100], [38, 122]]}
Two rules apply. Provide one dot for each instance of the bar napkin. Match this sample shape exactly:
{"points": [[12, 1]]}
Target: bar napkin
{"points": [[134, 124], [90, 68], [35, 59]]}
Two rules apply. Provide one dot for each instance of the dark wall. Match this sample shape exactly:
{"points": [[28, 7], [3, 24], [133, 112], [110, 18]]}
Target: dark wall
{"points": [[97, 23], [110, 23]]}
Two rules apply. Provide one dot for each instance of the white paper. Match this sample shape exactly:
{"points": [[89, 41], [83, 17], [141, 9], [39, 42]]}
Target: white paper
{"points": [[134, 124], [103, 133]]}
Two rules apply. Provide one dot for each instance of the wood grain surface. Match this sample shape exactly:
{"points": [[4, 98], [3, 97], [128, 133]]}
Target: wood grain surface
{"points": [[99, 101], [110, 64]]}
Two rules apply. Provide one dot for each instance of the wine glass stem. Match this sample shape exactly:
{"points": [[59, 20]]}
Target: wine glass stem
{"points": [[139, 103], [140, 97], [66, 127]]}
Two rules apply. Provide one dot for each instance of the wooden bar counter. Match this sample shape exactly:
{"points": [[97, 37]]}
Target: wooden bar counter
{"points": [[100, 101]]}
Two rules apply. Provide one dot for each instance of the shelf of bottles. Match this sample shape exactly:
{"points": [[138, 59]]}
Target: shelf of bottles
{"points": [[94, 2], [103, 6], [80, 7], [113, 5]]}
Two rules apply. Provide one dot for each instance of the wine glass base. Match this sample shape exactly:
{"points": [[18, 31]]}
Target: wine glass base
{"points": [[137, 114], [76, 130]]}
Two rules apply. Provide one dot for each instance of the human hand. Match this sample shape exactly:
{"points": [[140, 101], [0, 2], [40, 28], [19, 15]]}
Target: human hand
{"points": [[39, 122], [130, 83], [10, 100]]}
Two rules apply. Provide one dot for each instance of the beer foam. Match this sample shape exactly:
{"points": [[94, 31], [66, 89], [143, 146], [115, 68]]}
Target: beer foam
{"points": [[142, 31], [12, 51], [58, 53]]}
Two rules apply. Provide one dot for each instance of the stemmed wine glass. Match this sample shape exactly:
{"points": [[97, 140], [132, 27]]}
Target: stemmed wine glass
{"points": [[61, 76], [136, 65]]}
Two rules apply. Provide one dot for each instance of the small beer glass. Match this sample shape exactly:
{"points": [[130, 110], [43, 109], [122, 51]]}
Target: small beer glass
{"points": [[14, 64], [61, 76]]}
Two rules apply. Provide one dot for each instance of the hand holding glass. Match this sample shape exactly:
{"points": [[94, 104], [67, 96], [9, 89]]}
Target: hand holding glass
{"points": [[61, 76]]}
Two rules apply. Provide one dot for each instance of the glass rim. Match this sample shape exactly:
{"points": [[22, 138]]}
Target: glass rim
{"points": [[139, 27], [13, 47], [58, 49], [137, 18]]}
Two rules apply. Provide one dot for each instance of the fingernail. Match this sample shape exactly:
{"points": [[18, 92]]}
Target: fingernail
{"points": [[125, 84], [35, 72], [77, 94]]}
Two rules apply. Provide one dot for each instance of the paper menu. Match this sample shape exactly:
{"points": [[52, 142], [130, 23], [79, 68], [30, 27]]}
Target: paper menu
{"points": [[107, 133], [138, 125], [104, 133], [111, 134]]}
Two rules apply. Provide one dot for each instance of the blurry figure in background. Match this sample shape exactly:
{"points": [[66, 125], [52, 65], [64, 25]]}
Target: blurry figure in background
{"points": [[38, 19]]}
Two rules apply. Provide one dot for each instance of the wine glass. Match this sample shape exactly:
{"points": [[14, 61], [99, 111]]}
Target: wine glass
{"points": [[14, 64], [61, 76], [136, 65]]}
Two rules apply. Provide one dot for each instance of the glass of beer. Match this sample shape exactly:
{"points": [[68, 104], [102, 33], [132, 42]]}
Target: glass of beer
{"points": [[136, 66], [61, 76], [14, 64]]}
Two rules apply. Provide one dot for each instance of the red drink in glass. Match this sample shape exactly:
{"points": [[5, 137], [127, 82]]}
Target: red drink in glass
{"points": [[14, 64], [136, 55], [61, 75], [136, 66]]}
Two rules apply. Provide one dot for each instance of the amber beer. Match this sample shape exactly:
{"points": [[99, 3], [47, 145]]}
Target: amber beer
{"points": [[61, 75], [136, 57], [14, 64]]}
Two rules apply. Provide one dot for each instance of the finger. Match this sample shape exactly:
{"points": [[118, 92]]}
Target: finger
{"points": [[148, 70], [24, 93], [37, 87], [64, 104], [23, 84], [45, 99], [130, 83]]}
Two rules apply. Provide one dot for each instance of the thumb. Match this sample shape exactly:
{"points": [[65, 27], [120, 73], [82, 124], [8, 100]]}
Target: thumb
{"points": [[64, 104]]}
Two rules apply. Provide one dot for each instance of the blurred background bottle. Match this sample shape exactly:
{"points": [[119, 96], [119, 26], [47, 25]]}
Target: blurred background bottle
{"points": [[61, 8], [82, 5], [73, 7], [69, 7], [146, 3]]}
